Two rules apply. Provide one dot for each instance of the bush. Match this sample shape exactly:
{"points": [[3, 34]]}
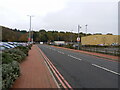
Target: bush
{"points": [[24, 49], [10, 65], [69, 46], [10, 72], [6, 58], [16, 54], [29, 46]]}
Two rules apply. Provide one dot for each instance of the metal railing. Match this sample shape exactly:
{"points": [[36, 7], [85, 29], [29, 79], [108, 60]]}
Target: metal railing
{"points": [[106, 50]]}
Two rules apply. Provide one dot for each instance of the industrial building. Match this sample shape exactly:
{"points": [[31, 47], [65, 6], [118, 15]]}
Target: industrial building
{"points": [[100, 40]]}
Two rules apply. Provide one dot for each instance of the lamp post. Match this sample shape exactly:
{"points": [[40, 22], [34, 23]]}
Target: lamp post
{"points": [[86, 29], [29, 37], [86, 32], [32, 36], [79, 37], [71, 37]]}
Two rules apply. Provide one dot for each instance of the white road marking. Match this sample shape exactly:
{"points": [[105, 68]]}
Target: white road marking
{"points": [[74, 57], [60, 52], [92, 64], [106, 69]]}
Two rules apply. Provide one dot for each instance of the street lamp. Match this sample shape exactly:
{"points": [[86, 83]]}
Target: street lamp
{"points": [[86, 29], [32, 36], [79, 37], [71, 37], [29, 38]]}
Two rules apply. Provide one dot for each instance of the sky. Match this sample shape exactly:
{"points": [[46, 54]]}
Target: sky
{"points": [[101, 16]]}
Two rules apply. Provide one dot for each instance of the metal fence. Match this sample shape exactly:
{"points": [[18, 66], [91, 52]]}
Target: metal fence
{"points": [[105, 50]]}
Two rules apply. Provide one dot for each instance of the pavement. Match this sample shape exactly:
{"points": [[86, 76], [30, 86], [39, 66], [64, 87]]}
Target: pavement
{"points": [[34, 72]]}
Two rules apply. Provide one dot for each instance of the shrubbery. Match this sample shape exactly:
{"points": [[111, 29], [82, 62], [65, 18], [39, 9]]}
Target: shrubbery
{"points": [[24, 49], [10, 64], [10, 72], [69, 46], [6, 58], [14, 54]]}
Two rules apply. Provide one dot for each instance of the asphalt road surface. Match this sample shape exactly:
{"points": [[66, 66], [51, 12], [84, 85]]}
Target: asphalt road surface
{"points": [[83, 70]]}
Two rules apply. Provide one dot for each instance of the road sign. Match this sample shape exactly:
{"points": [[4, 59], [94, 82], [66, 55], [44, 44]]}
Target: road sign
{"points": [[78, 39]]}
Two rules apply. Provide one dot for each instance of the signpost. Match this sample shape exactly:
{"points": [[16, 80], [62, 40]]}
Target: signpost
{"points": [[79, 37]]}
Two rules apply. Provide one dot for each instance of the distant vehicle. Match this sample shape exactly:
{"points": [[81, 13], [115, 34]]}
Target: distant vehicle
{"points": [[75, 45], [12, 43], [41, 42], [100, 44], [9, 45], [2, 48], [115, 44], [51, 43], [59, 42]]}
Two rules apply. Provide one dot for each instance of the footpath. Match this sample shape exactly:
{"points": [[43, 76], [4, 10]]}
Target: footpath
{"points": [[34, 72]]}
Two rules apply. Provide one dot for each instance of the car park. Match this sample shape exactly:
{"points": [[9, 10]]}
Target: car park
{"points": [[9, 45], [2, 48]]}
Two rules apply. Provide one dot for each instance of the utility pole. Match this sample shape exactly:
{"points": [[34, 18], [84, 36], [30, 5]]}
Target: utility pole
{"points": [[86, 29], [79, 37], [71, 37], [29, 37], [86, 33], [32, 36]]}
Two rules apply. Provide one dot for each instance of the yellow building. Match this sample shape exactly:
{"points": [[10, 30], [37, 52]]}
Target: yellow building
{"points": [[100, 39]]}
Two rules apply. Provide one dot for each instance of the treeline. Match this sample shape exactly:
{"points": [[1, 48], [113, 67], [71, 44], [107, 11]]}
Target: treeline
{"points": [[40, 36], [50, 36], [14, 35]]}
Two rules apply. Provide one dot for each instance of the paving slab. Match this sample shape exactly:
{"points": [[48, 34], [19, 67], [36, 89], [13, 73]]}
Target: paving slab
{"points": [[34, 72]]}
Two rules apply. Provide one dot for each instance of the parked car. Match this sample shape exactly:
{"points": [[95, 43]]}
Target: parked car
{"points": [[9, 45]]}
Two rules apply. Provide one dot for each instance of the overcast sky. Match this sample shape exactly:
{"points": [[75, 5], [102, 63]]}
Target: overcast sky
{"points": [[61, 15]]}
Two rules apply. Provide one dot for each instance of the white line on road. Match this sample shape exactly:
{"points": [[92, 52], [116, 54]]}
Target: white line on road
{"points": [[106, 69], [74, 57], [60, 52]]}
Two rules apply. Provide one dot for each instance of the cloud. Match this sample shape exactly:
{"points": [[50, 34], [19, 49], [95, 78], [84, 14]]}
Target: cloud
{"points": [[100, 15]]}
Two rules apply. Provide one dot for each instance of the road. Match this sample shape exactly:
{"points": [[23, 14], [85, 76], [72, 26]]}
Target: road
{"points": [[83, 70]]}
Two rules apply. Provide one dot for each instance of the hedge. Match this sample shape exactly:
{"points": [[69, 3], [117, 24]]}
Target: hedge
{"points": [[24, 49], [10, 65], [13, 54], [10, 72]]}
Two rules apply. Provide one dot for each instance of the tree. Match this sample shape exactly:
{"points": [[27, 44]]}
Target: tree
{"points": [[97, 34], [24, 37], [109, 34]]}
